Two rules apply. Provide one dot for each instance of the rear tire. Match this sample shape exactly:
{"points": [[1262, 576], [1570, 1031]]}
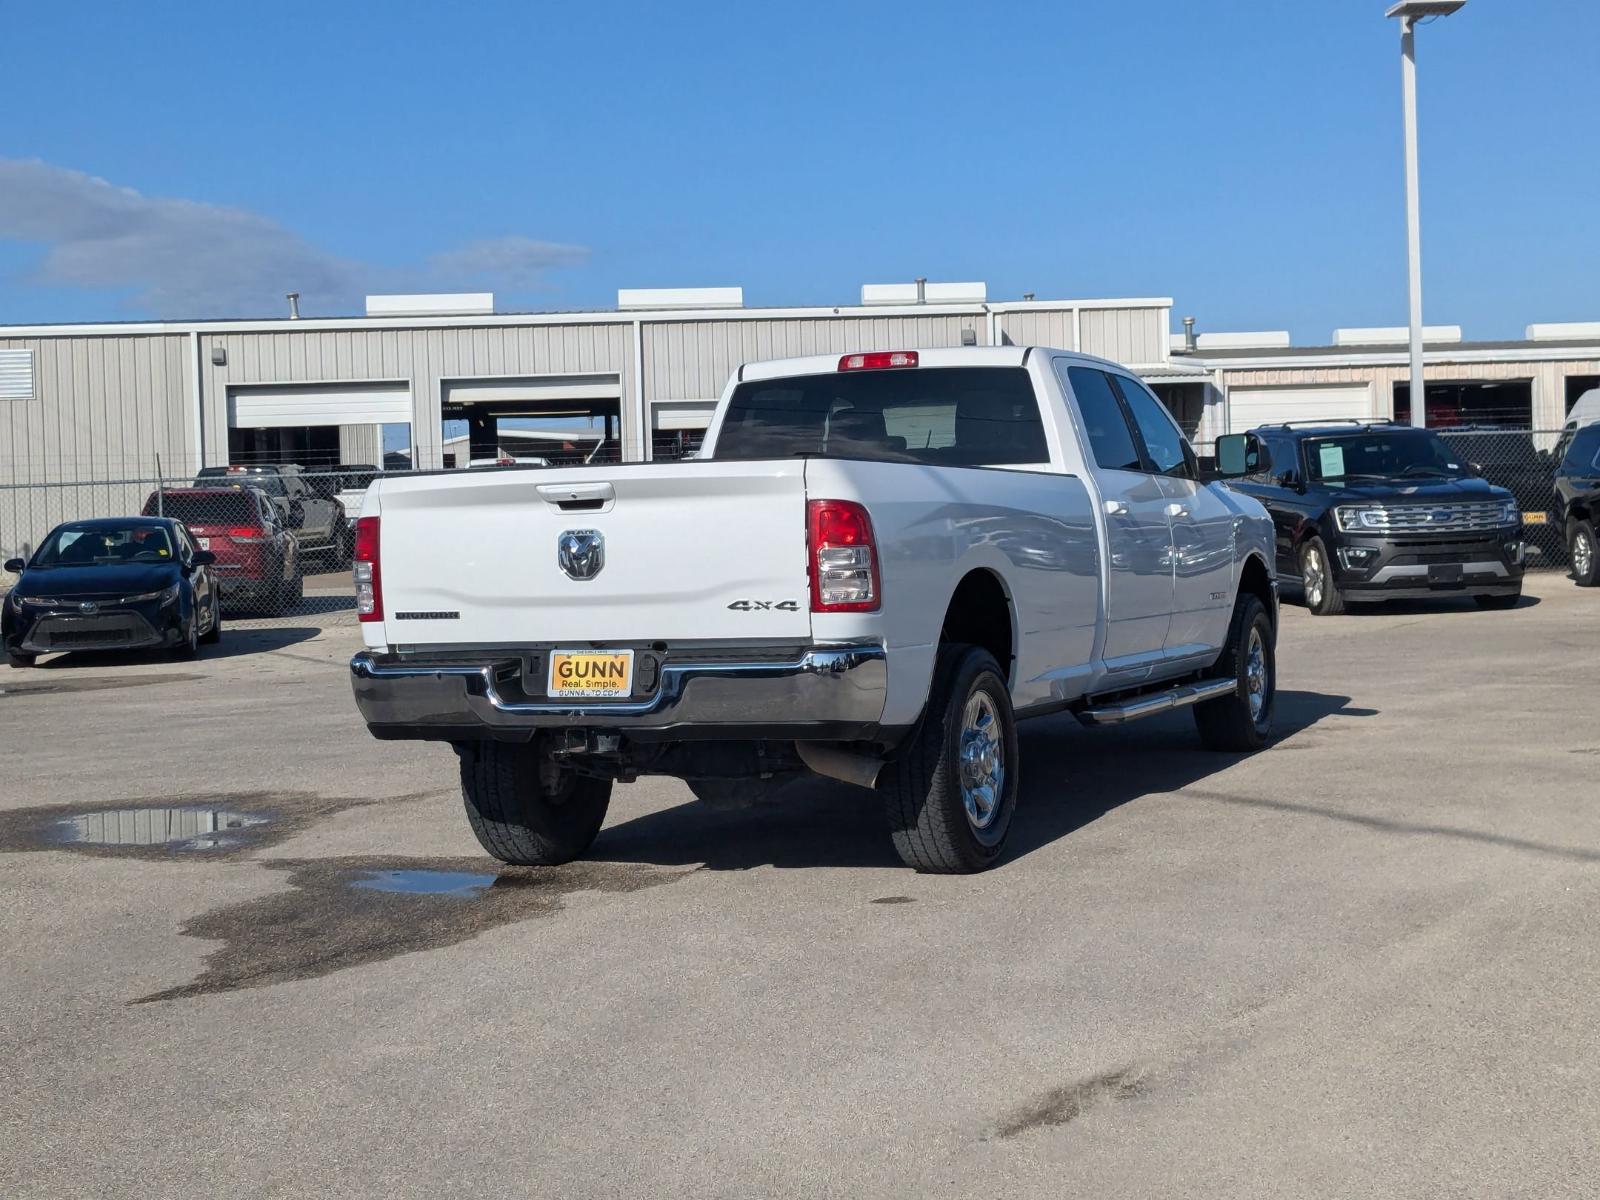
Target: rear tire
{"points": [[1499, 602], [1322, 595], [20, 660], [951, 794], [515, 819], [1584, 553], [1242, 721]]}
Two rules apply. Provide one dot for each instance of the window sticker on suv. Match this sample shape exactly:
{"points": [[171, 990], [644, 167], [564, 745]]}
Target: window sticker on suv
{"points": [[1331, 458]]}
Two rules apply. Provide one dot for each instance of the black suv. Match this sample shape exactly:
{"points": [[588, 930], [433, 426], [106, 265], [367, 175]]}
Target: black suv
{"points": [[1370, 510], [1577, 505]]}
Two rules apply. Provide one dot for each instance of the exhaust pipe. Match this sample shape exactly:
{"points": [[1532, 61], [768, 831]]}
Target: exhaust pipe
{"points": [[828, 760]]}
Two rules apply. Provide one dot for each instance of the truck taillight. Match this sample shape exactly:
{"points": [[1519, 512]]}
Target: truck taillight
{"points": [[878, 360], [843, 560], [369, 577]]}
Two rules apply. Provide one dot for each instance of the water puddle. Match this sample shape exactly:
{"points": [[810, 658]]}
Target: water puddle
{"points": [[205, 827], [181, 828], [338, 913], [465, 885]]}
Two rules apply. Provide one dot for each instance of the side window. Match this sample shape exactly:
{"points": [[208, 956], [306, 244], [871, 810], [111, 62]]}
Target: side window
{"points": [[1168, 451], [185, 546], [1110, 439], [269, 516]]}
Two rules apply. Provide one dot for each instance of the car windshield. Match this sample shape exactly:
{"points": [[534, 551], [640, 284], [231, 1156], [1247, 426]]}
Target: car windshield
{"points": [[354, 481], [957, 416], [209, 508], [104, 546], [269, 482], [1389, 454]]}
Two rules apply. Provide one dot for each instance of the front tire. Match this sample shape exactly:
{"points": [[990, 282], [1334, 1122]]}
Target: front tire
{"points": [[1584, 553], [190, 646], [1323, 596], [1242, 721], [516, 818], [20, 660], [951, 795], [214, 635]]}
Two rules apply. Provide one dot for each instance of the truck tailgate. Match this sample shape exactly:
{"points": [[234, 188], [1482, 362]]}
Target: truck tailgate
{"points": [[712, 550]]}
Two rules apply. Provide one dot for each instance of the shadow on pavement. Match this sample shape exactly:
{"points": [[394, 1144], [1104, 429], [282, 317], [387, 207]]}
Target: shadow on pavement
{"points": [[1070, 777], [234, 643]]}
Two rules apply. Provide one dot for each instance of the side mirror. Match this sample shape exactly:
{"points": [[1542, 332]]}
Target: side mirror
{"points": [[203, 558], [16, 565], [1240, 454]]}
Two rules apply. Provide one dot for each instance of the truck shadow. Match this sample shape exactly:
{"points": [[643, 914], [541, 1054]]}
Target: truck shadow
{"points": [[1071, 777]]}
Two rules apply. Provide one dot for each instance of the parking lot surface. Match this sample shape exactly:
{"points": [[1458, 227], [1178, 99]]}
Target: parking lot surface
{"points": [[1362, 963]]}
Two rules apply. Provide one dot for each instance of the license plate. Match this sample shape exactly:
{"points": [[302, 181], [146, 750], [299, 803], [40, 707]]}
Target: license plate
{"points": [[1536, 518], [591, 674], [1445, 573], [205, 543]]}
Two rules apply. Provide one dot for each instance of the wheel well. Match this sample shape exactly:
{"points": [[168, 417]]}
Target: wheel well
{"points": [[980, 615], [1254, 579]]}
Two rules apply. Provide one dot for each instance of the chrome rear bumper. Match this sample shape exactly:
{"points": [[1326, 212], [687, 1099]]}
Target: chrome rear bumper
{"points": [[834, 692]]}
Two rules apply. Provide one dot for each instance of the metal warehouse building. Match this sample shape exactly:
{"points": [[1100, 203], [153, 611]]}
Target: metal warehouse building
{"points": [[95, 402], [1529, 384]]}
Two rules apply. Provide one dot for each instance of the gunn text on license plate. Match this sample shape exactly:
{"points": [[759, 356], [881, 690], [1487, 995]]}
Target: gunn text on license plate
{"points": [[591, 674]]}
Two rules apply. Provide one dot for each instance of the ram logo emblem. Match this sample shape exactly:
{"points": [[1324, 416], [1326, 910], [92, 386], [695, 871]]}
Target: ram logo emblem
{"points": [[581, 553]]}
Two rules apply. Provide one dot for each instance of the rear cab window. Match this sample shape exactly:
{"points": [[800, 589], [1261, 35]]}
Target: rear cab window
{"points": [[943, 416]]}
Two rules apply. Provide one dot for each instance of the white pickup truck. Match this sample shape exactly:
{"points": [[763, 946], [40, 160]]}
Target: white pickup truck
{"points": [[876, 565]]}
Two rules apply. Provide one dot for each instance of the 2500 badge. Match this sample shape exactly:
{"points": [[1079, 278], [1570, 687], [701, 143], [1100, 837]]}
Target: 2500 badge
{"points": [[765, 606]]}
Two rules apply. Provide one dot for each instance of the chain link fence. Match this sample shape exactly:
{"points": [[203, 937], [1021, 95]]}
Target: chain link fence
{"points": [[283, 536]]}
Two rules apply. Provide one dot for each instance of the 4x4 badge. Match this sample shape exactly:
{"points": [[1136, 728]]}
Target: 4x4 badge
{"points": [[581, 553]]}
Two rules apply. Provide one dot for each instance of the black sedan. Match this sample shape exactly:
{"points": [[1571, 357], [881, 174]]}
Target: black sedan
{"points": [[116, 583]]}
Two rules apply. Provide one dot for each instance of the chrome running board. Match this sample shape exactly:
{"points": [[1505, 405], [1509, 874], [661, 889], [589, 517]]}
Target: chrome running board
{"points": [[1136, 707]]}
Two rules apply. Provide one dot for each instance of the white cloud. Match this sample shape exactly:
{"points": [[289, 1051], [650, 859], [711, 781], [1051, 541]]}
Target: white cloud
{"points": [[192, 259]]}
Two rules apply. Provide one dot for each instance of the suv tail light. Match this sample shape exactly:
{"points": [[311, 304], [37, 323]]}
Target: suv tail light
{"points": [[878, 360], [842, 557], [364, 565], [246, 533]]}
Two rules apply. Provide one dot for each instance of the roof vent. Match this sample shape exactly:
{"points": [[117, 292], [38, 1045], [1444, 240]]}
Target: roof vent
{"points": [[706, 297], [437, 304], [924, 292], [1394, 335], [1274, 339]]}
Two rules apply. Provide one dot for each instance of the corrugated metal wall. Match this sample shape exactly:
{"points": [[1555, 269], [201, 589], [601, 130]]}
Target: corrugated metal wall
{"points": [[420, 357], [1549, 380], [1136, 336], [692, 360], [104, 407]]}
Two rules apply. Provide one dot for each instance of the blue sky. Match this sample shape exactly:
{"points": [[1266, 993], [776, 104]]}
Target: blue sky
{"points": [[1241, 157]]}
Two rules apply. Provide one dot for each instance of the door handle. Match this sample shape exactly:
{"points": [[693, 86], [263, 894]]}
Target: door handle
{"points": [[1177, 510], [1116, 508]]}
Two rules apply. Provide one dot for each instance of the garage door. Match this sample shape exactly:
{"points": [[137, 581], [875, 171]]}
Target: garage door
{"points": [[277, 406], [1252, 406]]}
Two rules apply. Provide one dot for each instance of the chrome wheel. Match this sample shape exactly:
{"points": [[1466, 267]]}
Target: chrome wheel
{"points": [[1255, 674], [1582, 554], [1316, 577], [983, 767]]}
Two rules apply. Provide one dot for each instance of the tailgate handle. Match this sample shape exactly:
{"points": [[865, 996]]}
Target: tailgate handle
{"points": [[578, 497]]}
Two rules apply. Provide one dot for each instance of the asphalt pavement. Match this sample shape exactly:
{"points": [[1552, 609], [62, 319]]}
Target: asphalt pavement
{"points": [[1361, 963]]}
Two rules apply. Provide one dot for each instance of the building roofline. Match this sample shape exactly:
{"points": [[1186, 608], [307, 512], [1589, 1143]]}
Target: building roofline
{"points": [[1368, 356], [621, 318]]}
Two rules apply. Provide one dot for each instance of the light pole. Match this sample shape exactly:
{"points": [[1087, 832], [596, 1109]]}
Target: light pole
{"points": [[1410, 12]]}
